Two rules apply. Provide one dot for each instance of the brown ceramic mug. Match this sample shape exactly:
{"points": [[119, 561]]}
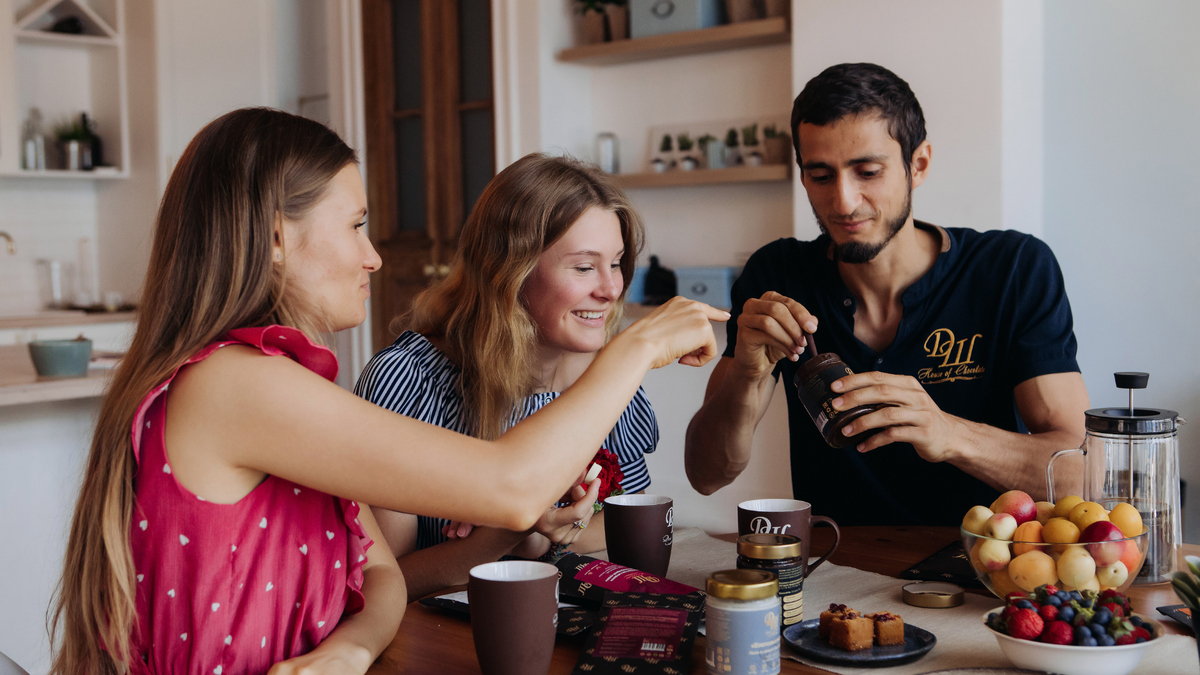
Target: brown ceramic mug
{"points": [[514, 614], [785, 516], [639, 531]]}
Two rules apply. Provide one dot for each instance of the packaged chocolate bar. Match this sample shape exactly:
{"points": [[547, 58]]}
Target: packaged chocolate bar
{"points": [[586, 580], [642, 632]]}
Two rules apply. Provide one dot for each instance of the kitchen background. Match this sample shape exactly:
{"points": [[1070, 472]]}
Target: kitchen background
{"points": [[1073, 120]]}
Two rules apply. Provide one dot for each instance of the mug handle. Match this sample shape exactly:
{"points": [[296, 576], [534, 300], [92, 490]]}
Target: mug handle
{"points": [[837, 536]]}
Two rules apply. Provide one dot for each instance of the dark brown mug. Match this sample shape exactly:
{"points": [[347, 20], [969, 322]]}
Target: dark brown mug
{"points": [[639, 531], [785, 516], [514, 613]]}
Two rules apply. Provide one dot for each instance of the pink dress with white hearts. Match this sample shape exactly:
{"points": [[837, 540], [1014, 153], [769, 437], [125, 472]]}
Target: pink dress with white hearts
{"points": [[235, 588]]}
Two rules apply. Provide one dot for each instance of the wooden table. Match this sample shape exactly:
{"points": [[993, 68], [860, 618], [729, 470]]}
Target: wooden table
{"points": [[432, 641]]}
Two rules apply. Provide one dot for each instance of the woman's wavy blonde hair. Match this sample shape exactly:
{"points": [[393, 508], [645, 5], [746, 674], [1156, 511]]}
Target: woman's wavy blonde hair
{"points": [[478, 311], [210, 272]]}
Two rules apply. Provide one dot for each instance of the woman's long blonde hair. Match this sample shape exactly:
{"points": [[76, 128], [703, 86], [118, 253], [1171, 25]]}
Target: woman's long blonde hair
{"points": [[211, 271], [478, 310]]}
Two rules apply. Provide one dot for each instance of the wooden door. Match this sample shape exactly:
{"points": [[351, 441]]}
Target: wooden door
{"points": [[430, 139]]}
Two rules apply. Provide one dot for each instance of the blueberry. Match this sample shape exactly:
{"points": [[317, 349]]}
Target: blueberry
{"points": [[1054, 601], [1137, 621], [1081, 632], [1066, 613], [1024, 604], [1103, 617], [1076, 596], [1090, 642], [1141, 639], [1097, 629], [1107, 641], [1065, 596], [993, 616]]}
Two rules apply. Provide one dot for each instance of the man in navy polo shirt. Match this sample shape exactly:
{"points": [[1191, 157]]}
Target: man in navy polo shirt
{"points": [[968, 335]]}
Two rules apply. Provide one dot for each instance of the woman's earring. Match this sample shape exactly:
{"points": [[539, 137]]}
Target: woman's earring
{"points": [[278, 256]]}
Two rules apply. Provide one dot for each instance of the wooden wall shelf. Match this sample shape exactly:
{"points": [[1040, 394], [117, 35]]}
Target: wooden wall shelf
{"points": [[675, 177], [719, 38]]}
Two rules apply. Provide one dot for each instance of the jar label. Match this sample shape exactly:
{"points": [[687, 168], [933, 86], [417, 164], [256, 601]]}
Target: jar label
{"points": [[817, 396], [742, 642], [791, 594]]}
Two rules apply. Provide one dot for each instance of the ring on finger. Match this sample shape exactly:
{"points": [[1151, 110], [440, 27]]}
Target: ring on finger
{"points": [[579, 524]]}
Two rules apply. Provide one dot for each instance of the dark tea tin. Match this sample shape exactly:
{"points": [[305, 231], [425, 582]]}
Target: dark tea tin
{"points": [[813, 381]]}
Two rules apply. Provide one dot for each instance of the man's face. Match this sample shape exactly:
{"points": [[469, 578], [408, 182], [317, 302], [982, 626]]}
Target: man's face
{"points": [[854, 174]]}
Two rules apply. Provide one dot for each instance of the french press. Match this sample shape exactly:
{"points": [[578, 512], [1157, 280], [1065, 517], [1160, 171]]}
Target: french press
{"points": [[1132, 455]]}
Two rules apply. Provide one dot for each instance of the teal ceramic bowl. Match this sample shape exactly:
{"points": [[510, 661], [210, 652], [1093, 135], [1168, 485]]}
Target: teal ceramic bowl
{"points": [[61, 358]]}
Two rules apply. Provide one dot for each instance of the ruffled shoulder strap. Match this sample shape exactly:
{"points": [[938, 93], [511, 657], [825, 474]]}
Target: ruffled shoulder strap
{"points": [[273, 340]]}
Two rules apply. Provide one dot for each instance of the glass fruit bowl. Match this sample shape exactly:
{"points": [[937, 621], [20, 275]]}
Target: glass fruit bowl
{"points": [[1007, 566]]}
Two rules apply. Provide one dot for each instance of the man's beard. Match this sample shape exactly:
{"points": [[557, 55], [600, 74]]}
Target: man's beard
{"points": [[858, 253]]}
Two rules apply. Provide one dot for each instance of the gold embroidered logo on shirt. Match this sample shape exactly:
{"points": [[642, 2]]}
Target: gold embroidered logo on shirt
{"points": [[957, 363]]}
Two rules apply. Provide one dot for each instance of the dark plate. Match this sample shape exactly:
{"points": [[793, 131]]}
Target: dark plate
{"points": [[803, 638]]}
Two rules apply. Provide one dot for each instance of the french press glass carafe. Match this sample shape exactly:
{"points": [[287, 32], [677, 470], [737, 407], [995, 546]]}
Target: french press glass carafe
{"points": [[1132, 455]]}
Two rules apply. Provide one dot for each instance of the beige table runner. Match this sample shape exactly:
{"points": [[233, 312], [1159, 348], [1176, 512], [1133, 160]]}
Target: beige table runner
{"points": [[962, 640]]}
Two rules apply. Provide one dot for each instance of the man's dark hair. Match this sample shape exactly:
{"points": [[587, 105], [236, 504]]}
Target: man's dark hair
{"points": [[855, 88]]}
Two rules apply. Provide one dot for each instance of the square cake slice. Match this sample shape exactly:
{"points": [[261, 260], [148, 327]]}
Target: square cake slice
{"points": [[889, 628], [852, 633], [835, 611]]}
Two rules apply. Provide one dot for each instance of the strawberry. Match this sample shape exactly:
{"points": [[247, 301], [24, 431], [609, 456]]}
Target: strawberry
{"points": [[1050, 589], [1140, 633], [1025, 624], [1012, 598], [1115, 609], [1057, 633], [1126, 640], [1007, 614], [1048, 613]]}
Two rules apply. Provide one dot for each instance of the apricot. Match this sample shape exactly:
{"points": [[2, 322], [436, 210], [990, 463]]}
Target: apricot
{"points": [[1062, 508], [1002, 584], [1032, 569], [1086, 513], [1060, 531], [1076, 567], [1030, 532], [974, 556], [1045, 511], [1126, 517]]}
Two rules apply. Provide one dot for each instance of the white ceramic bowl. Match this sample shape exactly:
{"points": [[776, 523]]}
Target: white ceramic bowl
{"points": [[1073, 660]]}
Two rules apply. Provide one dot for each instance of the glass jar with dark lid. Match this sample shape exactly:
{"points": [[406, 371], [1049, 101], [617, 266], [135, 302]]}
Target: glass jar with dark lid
{"points": [[779, 554], [813, 385]]}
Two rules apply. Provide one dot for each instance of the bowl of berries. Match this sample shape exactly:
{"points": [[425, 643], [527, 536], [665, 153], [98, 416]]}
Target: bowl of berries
{"points": [[1017, 545], [1072, 632]]}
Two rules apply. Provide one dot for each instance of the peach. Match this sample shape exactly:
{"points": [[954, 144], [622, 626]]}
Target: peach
{"points": [[1018, 505], [1086, 513], [1062, 509], [1103, 542], [1076, 567], [1001, 526], [1031, 533], [1002, 584], [1045, 511], [974, 556], [1032, 569], [975, 519], [1126, 517], [1112, 575], [994, 554], [1132, 558]]}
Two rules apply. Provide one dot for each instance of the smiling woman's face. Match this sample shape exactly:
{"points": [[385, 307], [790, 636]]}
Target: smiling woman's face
{"points": [[577, 282], [329, 257]]}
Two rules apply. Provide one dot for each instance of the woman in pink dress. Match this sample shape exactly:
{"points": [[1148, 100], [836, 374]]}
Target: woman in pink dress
{"points": [[222, 524]]}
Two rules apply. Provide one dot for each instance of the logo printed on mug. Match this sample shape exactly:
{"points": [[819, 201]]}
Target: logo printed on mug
{"points": [[671, 517], [762, 525]]}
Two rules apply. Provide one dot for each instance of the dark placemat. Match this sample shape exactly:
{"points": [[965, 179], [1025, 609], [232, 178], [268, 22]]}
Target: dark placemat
{"points": [[949, 564]]}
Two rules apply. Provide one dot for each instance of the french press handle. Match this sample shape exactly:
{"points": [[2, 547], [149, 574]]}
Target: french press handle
{"points": [[1050, 470], [1132, 380]]}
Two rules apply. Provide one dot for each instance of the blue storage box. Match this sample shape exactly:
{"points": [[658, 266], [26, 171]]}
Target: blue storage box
{"points": [[707, 284], [637, 286], [656, 17]]}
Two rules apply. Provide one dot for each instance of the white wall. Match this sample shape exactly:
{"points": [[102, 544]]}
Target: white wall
{"points": [[1122, 197]]}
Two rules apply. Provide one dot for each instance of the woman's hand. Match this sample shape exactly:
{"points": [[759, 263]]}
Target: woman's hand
{"points": [[457, 529], [561, 525], [679, 329]]}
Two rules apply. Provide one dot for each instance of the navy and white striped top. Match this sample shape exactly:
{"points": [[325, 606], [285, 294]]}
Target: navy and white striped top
{"points": [[412, 377]]}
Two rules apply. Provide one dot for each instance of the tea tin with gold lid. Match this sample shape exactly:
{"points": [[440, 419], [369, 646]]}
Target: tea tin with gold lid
{"points": [[741, 614]]}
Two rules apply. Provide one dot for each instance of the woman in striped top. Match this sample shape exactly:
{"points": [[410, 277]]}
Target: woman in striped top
{"points": [[536, 290]]}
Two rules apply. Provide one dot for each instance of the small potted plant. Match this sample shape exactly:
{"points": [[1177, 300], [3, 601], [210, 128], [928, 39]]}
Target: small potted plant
{"points": [[1187, 587], [617, 12], [712, 150], [592, 14], [687, 160], [777, 146], [751, 152], [733, 156], [664, 160]]}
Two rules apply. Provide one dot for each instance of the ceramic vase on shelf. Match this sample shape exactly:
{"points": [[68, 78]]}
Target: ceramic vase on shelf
{"points": [[618, 21], [741, 10], [713, 150], [776, 8], [777, 149], [593, 27]]}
